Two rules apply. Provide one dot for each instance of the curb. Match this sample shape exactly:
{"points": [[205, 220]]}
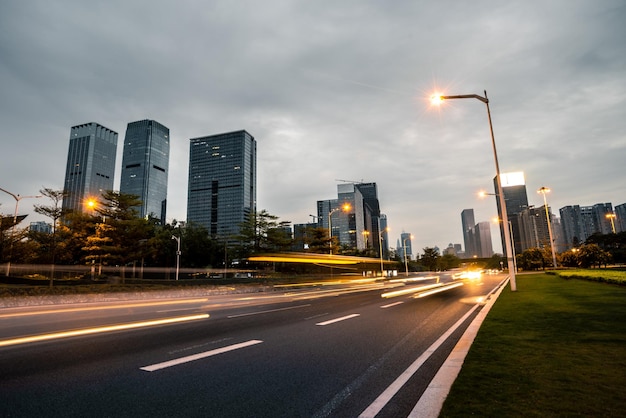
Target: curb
{"points": [[431, 401]]}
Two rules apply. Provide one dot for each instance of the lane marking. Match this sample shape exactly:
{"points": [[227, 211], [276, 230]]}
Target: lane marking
{"points": [[384, 398], [268, 311], [198, 356], [343, 318], [99, 330], [392, 304]]}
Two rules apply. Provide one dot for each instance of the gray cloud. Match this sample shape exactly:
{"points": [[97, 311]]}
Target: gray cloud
{"points": [[331, 90]]}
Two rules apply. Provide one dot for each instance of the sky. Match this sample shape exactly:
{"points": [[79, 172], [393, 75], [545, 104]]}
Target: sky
{"points": [[331, 91]]}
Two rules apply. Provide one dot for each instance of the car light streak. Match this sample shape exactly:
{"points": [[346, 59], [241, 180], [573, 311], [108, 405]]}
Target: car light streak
{"points": [[438, 290], [410, 290], [99, 330], [343, 318], [198, 356], [103, 307]]}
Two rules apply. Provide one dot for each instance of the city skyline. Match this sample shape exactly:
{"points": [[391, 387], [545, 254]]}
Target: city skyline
{"points": [[339, 93]]}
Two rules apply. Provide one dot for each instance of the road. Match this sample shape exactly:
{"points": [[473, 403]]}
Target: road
{"points": [[313, 351]]}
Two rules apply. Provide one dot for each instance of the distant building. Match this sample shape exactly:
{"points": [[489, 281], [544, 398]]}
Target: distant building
{"points": [[145, 166], [222, 182], [42, 227], [516, 200], [482, 232], [90, 168], [620, 218], [468, 224], [580, 222], [405, 246]]}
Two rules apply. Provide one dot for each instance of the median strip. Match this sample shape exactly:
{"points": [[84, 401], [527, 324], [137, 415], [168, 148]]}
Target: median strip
{"points": [[199, 356]]}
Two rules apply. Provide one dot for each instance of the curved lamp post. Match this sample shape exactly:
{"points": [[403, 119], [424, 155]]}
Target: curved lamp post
{"points": [[437, 99], [612, 217], [17, 198], [543, 190], [177, 254]]}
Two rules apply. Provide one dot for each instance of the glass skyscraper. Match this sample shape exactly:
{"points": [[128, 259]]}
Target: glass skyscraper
{"points": [[145, 166], [90, 166], [222, 182]]}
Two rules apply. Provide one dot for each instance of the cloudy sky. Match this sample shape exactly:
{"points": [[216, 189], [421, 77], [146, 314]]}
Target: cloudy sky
{"points": [[331, 90]]}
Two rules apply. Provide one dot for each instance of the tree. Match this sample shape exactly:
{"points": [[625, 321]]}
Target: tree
{"points": [[448, 261], [531, 259], [54, 212], [590, 255], [261, 232], [430, 258]]}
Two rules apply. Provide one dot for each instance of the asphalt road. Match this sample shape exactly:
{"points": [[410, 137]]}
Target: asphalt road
{"points": [[317, 351]]}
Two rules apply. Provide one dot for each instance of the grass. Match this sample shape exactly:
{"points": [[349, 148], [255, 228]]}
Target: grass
{"points": [[612, 276], [554, 348]]}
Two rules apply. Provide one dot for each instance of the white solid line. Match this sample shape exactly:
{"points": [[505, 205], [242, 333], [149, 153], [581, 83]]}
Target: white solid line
{"points": [[392, 304], [343, 318], [382, 400], [268, 311], [199, 356]]}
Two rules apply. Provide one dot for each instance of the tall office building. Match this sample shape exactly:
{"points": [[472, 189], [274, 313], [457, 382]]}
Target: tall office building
{"points": [[145, 166], [406, 247], [468, 224], [222, 182], [90, 168], [580, 222], [484, 246], [516, 200]]}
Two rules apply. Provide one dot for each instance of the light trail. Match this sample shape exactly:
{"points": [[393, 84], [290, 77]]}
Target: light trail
{"points": [[104, 307], [99, 330]]}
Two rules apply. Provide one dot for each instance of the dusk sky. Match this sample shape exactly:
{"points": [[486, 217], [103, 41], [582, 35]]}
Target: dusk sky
{"points": [[331, 90]]}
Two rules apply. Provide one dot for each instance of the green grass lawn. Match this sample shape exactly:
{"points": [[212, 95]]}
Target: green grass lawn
{"points": [[555, 347]]}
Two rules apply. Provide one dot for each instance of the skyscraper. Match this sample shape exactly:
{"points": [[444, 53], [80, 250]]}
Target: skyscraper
{"points": [[90, 169], [145, 166], [468, 224], [482, 233], [222, 182], [516, 200]]}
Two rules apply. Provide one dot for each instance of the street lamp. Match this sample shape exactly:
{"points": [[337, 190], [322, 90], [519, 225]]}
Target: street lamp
{"points": [[17, 198], [177, 254], [380, 246], [437, 99], [612, 217], [345, 207], [543, 190], [406, 262]]}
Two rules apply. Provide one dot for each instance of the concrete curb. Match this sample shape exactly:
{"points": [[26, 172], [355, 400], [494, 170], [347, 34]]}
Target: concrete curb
{"points": [[431, 402]]}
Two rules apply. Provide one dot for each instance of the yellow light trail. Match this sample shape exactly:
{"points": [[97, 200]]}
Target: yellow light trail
{"points": [[98, 330], [103, 307]]}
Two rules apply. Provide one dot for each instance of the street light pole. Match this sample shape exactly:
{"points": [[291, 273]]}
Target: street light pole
{"points": [[17, 198], [507, 237], [406, 262], [344, 207], [543, 190], [177, 254], [612, 217]]}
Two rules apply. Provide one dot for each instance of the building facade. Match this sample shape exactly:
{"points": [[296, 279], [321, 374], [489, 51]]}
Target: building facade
{"points": [[484, 246], [90, 169], [516, 200], [468, 223], [580, 222], [620, 218], [145, 166], [222, 182], [405, 246]]}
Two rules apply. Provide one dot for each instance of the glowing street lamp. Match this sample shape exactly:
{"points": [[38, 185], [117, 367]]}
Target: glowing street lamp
{"points": [[612, 217], [438, 100], [543, 190], [345, 207]]}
